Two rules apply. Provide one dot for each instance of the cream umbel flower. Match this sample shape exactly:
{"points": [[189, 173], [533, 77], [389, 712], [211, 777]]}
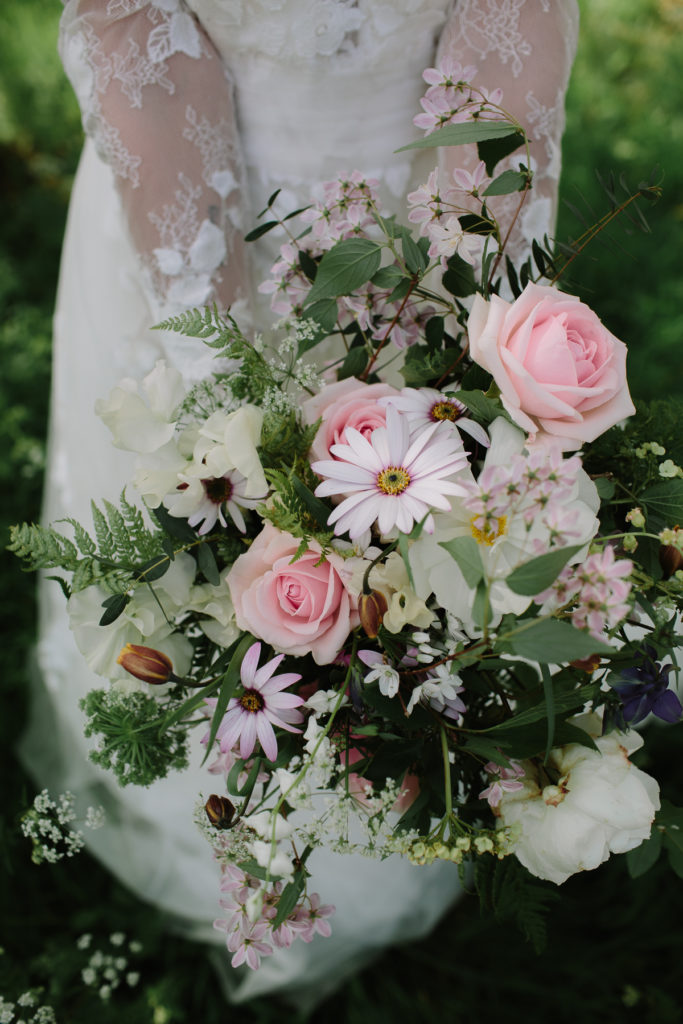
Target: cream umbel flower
{"points": [[589, 804]]}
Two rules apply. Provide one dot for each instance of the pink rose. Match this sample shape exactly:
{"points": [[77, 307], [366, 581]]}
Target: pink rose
{"points": [[298, 607], [560, 372], [348, 403]]}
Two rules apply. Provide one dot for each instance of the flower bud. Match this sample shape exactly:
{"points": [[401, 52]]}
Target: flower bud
{"points": [[220, 811], [372, 608], [670, 559], [145, 663], [589, 664]]}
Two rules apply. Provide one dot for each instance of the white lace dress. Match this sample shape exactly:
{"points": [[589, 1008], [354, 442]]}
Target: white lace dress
{"points": [[195, 113]]}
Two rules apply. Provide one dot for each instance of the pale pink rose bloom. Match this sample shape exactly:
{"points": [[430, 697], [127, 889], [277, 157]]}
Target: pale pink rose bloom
{"points": [[348, 403], [298, 607], [559, 370]]}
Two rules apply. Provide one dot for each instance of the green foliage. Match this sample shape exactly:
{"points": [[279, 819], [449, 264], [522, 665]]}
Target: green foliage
{"points": [[292, 510], [507, 890], [134, 742]]}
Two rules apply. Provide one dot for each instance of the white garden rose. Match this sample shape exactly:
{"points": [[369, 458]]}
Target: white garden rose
{"points": [[595, 803]]}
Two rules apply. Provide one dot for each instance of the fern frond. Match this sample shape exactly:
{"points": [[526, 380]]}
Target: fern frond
{"points": [[43, 548]]}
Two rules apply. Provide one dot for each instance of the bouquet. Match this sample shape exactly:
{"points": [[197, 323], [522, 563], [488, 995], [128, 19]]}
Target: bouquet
{"points": [[416, 599]]}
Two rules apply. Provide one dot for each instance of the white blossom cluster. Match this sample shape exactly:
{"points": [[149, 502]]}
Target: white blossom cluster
{"points": [[48, 824], [26, 1010], [105, 971]]}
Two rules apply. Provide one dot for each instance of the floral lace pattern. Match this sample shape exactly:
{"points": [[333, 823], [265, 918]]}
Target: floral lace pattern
{"points": [[129, 61]]}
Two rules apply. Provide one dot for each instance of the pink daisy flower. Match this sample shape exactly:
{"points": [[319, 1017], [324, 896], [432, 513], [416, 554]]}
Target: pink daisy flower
{"points": [[391, 479], [251, 716], [424, 406]]}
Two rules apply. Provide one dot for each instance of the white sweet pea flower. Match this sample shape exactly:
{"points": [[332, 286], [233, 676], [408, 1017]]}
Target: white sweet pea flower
{"points": [[143, 423], [227, 441], [276, 862], [596, 802], [142, 622], [216, 604], [391, 579], [323, 702], [262, 824]]}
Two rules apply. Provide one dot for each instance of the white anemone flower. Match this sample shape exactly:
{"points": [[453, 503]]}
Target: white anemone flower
{"points": [[392, 479]]}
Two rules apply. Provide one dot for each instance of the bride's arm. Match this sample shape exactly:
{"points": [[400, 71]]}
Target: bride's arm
{"points": [[526, 48], [157, 101]]}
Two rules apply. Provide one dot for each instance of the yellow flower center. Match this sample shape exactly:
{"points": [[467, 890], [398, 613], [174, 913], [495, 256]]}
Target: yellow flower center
{"points": [[491, 532], [393, 480], [446, 410], [252, 701]]}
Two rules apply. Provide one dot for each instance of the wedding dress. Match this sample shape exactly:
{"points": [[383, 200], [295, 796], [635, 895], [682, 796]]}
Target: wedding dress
{"points": [[195, 113]]}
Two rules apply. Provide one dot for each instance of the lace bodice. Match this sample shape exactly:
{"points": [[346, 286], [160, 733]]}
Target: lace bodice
{"points": [[203, 108]]}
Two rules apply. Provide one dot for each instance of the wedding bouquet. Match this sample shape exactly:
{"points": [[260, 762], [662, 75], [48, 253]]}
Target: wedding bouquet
{"points": [[407, 617]]}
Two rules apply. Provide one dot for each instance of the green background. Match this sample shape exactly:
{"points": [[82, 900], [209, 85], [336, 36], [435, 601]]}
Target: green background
{"points": [[613, 950]]}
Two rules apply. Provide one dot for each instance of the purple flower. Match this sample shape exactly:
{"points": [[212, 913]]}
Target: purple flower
{"points": [[646, 689]]}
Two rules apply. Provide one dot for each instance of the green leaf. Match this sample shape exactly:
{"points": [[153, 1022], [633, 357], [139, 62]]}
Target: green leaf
{"points": [[206, 560], [531, 740], [346, 266], [461, 134], [153, 569], [489, 749], [459, 278], [114, 607], [485, 409], [540, 573], [562, 702], [262, 229], [664, 501], [324, 312], [465, 551], [355, 362], [549, 697], [227, 688], [549, 641], [289, 898], [173, 525], [404, 553], [481, 605], [507, 182], [644, 856], [605, 488], [495, 149], [388, 277], [416, 261], [314, 506]]}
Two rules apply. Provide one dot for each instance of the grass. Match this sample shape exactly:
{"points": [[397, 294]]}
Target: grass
{"points": [[612, 952]]}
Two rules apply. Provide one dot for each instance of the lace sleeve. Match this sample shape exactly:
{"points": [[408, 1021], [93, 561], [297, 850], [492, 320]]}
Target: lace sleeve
{"points": [[526, 48], [157, 101]]}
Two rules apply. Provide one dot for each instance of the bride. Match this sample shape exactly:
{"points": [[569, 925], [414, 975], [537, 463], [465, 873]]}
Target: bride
{"points": [[195, 113]]}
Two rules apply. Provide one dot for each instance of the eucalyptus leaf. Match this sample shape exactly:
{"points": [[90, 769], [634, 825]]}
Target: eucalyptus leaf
{"points": [[113, 607], [507, 182], [465, 551], [641, 859], [289, 898], [154, 568], [345, 267], [354, 363], [262, 229], [563, 702], [314, 506], [206, 560], [550, 642], [461, 134], [496, 148], [540, 573]]}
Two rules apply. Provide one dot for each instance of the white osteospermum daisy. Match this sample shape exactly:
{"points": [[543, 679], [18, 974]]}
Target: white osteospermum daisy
{"points": [[204, 501], [424, 406], [393, 479]]}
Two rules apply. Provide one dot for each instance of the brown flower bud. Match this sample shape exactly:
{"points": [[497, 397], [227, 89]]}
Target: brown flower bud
{"points": [[670, 559], [372, 608], [145, 663], [220, 811], [589, 664]]}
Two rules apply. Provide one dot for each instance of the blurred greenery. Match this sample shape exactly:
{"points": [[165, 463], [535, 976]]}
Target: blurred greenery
{"points": [[613, 944]]}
